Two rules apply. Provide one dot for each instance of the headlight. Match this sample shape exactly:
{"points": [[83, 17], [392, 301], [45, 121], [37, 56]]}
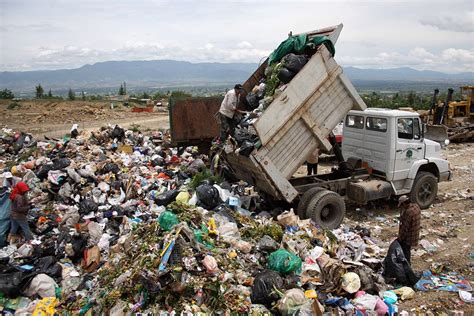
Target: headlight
{"points": [[446, 142]]}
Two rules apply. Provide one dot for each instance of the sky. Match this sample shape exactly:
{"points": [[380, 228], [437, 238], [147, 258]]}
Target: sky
{"points": [[57, 34]]}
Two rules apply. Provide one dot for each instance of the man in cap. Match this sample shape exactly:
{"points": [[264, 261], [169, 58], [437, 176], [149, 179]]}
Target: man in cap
{"points": [[409, 230], [227, 111]]}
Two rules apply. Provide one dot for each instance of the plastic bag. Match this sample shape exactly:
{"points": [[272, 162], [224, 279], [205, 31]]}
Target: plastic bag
{"points": [[210, 264], [118, 133], [406, 293], [294, 63], [285, 75], [246, 148], [12, 284], [350, 282], [208, 196], [110, 167], [264, 285], [42, 285], [61, 163], [48, 265], [291, 302], [284, 262], [167, 220], [252, 100], [288, 218], [87, 206], [395, 265], [166, 197]]}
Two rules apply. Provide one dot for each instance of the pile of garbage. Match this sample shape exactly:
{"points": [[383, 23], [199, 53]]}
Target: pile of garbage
{"points": [[125, 224], [283, 64]]}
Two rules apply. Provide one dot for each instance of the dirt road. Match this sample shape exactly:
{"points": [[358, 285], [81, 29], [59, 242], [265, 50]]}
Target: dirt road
{"points": [[55, 118]]}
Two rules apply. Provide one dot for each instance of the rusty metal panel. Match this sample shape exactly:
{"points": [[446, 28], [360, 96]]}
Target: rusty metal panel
{"points": [[194, 118]]}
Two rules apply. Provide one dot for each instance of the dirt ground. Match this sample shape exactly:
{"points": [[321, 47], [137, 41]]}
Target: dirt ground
{"points": [[54, 118], [448, 223]]}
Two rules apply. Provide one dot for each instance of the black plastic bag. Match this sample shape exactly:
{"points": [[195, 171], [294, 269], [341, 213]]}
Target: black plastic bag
{"points": [[61, 163], [252, 100], [14, 283], [396, 266], [263, 288], [48, 265], [118, 133], [43, 172], [110, 167], [208, 196], [166, 197], [88, 205], [285, 75], [246, 148], [294, 63]]}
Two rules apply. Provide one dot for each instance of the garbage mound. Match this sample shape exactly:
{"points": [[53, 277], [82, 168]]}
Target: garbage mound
{"points": [[125, 224]]}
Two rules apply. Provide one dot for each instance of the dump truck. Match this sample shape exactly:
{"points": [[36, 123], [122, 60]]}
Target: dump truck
{"points": [[384, 153]]}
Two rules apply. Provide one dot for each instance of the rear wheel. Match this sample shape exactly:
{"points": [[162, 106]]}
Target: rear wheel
{"points": [[327, 209], [304, 201], [424, 190]]}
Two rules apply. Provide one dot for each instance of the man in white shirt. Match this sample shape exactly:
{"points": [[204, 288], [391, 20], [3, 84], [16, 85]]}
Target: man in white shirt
{"points": [[227, 111]]}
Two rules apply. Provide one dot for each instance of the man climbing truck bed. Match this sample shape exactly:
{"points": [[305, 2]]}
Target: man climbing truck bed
{"points": [[384, 151]]}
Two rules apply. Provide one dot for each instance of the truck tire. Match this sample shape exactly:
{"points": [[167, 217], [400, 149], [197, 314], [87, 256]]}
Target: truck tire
{"points": [[304, 201], [424, 190], [327, 209]]}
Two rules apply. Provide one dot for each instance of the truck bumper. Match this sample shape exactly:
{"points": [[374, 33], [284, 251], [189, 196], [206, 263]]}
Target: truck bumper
{"points": [[445, 176]]}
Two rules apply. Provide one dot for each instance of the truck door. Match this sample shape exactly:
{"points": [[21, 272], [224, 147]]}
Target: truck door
{"points": [[409, 146]]}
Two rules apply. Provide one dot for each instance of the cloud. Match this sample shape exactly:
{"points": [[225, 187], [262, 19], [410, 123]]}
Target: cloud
{"points": [[244, 44], [455, 23], [450, 60], [72, 56]]}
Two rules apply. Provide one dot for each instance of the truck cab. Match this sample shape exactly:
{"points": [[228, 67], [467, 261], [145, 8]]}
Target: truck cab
{"points": [[392, 146]]}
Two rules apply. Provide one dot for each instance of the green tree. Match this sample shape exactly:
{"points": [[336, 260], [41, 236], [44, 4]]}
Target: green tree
{"points": [[39, 91], [121, 90], [83, 95], [145, 95], [411, 98], [6, 94], [50, 94], [180, 94], [71, 95]]}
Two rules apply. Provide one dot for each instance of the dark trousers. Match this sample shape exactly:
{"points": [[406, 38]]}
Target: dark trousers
{"points": [[312, 168], [406, 250], [23, 224], [227, 126]]}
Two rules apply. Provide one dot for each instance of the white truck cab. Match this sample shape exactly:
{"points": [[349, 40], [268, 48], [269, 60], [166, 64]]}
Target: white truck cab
{"points": [[390, 143]]}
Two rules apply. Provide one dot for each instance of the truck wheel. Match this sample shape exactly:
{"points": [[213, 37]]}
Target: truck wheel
{"points": [[304, 201], [327, 209], [424, 190]]}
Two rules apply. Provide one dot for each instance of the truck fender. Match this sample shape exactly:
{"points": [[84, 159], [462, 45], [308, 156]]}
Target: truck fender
{"points": [[413, 172]]}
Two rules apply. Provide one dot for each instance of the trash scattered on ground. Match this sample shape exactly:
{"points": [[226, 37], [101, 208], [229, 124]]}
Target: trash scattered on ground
{"points": [[124, 223]]}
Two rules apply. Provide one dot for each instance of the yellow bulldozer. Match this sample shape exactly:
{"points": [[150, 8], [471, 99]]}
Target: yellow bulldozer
{"points": [[453, 120]]}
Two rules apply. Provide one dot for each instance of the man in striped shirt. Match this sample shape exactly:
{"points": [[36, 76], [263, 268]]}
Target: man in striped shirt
{"points": [[409, 230]]}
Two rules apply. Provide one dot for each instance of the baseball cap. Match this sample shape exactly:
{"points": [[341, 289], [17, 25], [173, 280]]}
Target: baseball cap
{"points": [[238, 87], [403, 199], [7, 175]]}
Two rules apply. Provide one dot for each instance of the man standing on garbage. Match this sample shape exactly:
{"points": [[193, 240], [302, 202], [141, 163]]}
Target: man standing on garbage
{"points": [[409, 230], [8, 182], [227, 111], [20, 207]]}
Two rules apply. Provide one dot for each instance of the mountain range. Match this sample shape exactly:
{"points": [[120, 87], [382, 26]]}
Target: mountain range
{"points": [[171, 73]]}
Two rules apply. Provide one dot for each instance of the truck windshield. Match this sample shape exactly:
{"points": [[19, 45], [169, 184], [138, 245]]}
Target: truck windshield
{"points": [[378, 124]]}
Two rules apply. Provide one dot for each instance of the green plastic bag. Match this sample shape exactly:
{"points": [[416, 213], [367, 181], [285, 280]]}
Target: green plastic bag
{"points": [[284, 262], [168, 220]]}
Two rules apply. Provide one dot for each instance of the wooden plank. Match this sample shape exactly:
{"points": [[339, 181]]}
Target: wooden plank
{"points": [[321, 138], [287, 191]]}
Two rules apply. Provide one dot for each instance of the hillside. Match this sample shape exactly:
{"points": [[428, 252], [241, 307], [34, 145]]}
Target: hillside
{"points": [[103, 76]]}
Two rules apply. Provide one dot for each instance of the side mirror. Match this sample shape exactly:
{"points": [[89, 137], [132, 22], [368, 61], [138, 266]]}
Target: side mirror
{"points": [[423, 129]]}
